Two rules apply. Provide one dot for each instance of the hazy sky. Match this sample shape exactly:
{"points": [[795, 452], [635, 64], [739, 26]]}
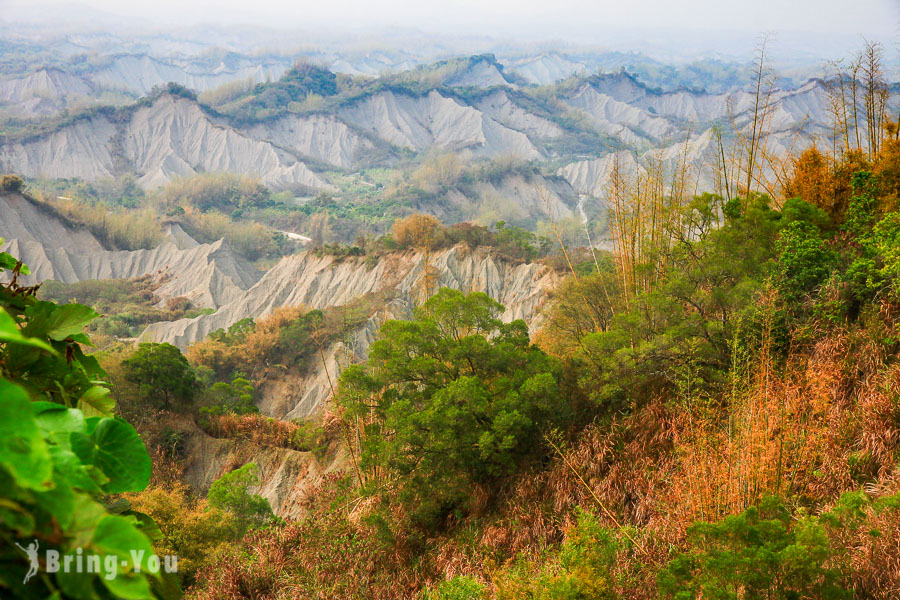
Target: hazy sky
{"points": [[871, 18]]}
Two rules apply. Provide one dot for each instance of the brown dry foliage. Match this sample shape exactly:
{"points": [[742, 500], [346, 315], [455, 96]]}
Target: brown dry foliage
{"points": [[823, 181], [874, 560], [259, 429], [254, 353], [416, 231], [811, 179], [322, 557], [887, 167]]}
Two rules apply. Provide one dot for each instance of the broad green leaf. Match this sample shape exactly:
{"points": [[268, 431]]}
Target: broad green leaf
{"points": [[77, 474], [117, 450], [97, 402], [75, 584], [91, 423], [69, 319], [118, 536], [56, 418], [59, 502], [86, 516], [168, 587], [9, 262], [147, 525], [16, 517], [22, 448], [81, 338], [10, 333]]}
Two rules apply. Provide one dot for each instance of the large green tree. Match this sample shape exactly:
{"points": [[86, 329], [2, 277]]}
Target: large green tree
{"points": [[162, 374], [451, 398]]}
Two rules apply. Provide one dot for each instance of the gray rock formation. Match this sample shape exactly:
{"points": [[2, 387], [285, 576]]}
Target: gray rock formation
{"points": [[479, 74], [287, 477], [321, 137], [418, 123], [43, 92], [546, 69], [396, 284], [171, 137], [502, 109], [209, 275], [139, 73]]}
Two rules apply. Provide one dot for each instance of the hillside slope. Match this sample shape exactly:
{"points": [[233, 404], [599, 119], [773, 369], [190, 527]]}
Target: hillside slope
{"points": [[392, 287], [475, 112], [170, 137], [209, 275]]}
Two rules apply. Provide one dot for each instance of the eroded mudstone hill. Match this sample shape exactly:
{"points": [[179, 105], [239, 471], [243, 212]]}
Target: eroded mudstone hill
{"points": [[169, 137], [396, 283], [209, 275]]}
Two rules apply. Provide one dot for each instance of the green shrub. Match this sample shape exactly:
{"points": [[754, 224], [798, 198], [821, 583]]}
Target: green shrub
{"points": [[804, 262], [583, 567], [231, 398], [761, 553], [458, 397], [230, 493], [461, 587], [162, 374]]}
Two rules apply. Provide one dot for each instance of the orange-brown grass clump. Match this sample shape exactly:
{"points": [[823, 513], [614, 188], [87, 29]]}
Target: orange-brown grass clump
{"points": [[270, 433], [823, 181], [259, 429]]}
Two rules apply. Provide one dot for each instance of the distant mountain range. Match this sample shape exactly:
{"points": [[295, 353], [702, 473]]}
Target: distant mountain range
{"points": [[476, 106]]}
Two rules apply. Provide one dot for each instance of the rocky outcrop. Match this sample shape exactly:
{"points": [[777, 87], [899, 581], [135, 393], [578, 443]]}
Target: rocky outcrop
{"points": [[498, 106], [43, 92], [321, 137], [479, 74], [619, 119], [514, 198], [546, 69], [419, 123], [320, 281], [394, 285], [651, 123], [27, 222], [168, 138], [82, 149], [287, 477], [174, 137], [139, 73], [209, 275], [592, 176]]}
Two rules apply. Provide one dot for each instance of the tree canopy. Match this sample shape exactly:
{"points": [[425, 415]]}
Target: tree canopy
{"points": [[452, 398], [162, 374]]}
